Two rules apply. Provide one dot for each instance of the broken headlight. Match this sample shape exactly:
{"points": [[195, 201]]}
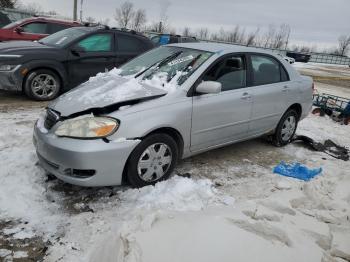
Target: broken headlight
{"points": [[87, 127]]}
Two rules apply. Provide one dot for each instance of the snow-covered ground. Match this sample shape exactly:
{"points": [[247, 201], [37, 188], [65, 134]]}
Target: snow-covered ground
{"points": [[224, 205]]}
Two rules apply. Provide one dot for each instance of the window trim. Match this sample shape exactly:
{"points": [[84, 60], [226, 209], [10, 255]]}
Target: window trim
{"points": [[251, 70], [192, 91]]}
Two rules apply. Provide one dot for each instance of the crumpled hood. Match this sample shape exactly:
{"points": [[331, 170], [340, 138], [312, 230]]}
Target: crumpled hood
{"points": [[103, 90]]}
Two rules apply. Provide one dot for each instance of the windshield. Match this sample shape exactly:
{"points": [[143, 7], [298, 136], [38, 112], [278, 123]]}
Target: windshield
{"points": [[165, 63], [64, 37]]}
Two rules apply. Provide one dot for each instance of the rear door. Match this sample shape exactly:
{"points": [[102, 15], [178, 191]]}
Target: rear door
{"points": [[224, 117], [128, 47], [270, 85], [91, 55]]}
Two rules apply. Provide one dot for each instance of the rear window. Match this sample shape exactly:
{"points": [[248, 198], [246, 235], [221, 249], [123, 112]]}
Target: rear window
{"points": [[267, 70], [54, 27], [129, 44]]}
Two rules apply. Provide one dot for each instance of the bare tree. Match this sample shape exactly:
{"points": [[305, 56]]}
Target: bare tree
{"points": [[186, 31], [343, 44], [8, 3], [32, 8], [269, 36], [104, 21], [90, 19], [124, 14], [139, 19], [203, 33], [281, 36], [252, 36]]}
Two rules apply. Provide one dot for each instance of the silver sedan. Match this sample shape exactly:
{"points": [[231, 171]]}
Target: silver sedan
{"points": [[134, 123]]}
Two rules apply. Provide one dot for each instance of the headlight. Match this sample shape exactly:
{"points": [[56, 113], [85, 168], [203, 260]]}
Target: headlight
{"points": [[88, 127], [7, 67]]}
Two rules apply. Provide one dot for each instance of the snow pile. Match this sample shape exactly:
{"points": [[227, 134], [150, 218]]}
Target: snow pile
{"points": [[177, 193]]}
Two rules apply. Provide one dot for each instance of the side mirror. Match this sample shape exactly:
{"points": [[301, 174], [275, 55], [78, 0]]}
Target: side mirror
{"points": [[209, 87], [77, 50], [19, 30]]}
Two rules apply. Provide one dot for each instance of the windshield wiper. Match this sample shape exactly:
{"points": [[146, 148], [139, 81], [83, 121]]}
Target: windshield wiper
{"points": [[160, 63]]}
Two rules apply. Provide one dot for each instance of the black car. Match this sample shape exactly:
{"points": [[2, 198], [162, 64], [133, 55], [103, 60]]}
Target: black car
{"points": [[65, 59]]}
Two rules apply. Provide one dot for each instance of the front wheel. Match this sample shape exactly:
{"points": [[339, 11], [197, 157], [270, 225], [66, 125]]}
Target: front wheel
{"points": [[153, 160], [42, 85], [286, 128]]}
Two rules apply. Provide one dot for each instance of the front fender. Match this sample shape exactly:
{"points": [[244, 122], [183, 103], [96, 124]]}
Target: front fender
{"points": [[53, 65]]}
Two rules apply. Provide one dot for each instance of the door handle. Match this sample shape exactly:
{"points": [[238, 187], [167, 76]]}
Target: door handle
{"points": [[246, 96]]}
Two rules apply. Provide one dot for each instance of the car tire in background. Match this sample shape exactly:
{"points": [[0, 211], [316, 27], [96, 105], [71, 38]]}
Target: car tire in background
{"points": [[286, 128], [42, 85], [153, 160]]}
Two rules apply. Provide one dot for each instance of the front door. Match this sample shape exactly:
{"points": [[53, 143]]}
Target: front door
{"points": [[92, 55], [224, 117]]}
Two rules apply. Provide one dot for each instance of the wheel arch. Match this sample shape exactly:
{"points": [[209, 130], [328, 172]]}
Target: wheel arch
{"points": [[298, 108], [57, 72], [172, 132]]}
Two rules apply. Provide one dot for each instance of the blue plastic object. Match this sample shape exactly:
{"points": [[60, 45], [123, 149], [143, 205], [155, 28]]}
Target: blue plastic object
{"points": [[296, 170]]}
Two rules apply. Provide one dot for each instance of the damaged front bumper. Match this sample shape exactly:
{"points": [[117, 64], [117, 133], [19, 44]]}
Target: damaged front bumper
{"points": [[83, 162]]}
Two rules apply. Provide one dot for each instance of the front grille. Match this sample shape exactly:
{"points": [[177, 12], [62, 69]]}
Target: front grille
{"points": [[80, 173], [51, 119]]}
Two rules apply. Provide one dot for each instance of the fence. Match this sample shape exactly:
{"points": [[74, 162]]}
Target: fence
{"points": [[329, 59], [315, 57]]}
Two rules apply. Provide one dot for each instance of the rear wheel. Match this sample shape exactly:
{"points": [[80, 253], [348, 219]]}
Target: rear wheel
{"points": [[286, 128], [152, 160], [42, 85]]}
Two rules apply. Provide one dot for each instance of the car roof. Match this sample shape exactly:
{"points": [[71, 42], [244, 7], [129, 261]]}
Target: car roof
{"points": [[43, 18], [220, 47]]}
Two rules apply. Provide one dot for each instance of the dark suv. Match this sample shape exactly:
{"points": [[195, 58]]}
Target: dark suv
{"points": [[63, 60]]}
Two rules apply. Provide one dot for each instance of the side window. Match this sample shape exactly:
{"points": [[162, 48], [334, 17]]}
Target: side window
{"points": [[54, 28], [35, 28], [267, 70], [230, 72], [129, 44], [97, 43]]}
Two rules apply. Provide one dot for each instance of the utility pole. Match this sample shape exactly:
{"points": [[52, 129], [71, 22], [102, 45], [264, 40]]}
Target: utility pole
{"points": [[81, 10], [75, 10]]}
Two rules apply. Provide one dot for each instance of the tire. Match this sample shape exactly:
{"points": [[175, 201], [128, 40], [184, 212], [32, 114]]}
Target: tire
{"points": [[285, 130], [42, 85], [141, 172]]}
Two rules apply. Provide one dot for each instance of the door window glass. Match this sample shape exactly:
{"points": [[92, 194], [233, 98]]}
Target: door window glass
{"points": [[53, 28], [35, 28], [97, 43], [267, 70], [230, 72], [129, 44]]}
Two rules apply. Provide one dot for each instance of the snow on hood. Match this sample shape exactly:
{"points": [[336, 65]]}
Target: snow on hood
{"points": [[103, 90]]}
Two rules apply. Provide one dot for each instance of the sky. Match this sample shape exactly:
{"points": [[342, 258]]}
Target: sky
{"points": [[312, 22]]}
